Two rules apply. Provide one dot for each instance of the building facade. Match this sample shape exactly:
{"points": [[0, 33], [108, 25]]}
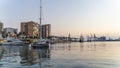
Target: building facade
{"points": [[1, 27], [31, 29], [46, 31], [12, 32]]}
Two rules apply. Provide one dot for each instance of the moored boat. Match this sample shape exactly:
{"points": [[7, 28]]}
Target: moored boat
{"points": [[12, 41], [40, 42]]}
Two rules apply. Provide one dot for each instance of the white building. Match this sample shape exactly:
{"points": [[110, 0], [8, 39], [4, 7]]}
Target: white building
{"points": [[1, 27], [10, 31]]}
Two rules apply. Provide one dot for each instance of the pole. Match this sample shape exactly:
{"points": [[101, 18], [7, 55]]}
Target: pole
{"points": [[40, 27]]}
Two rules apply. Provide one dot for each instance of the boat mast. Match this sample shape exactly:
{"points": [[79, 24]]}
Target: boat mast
{"points": [[40, 27]]}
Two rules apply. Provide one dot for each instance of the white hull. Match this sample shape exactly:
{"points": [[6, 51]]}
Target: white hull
{"points": [[39, 43], [13, 42]]}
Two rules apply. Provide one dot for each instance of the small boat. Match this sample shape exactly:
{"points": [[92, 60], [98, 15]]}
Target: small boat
{"points": [[12, 41], [40, 43]]}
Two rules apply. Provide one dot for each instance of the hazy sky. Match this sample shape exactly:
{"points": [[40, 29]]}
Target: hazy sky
{"points": [[76, 17]]}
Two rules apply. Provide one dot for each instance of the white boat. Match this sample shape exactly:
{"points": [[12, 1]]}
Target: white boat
{"points": [[12, 41], [41, 43]]}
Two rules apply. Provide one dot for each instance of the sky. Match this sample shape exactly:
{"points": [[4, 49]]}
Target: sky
{"points": [[100, 17]]}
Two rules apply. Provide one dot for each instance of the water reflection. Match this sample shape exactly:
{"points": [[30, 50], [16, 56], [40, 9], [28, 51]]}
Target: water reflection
{"points": [[1, 55], [94, 46], [9, 54], [33, 56], [82, 47], [62, 55], [22, 55]]}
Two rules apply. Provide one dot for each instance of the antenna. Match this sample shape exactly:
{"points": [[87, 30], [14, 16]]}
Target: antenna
{"points": [[40, 11], [40, 27]]}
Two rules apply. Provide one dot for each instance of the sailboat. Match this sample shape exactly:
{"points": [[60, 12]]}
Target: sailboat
{"points": [[40, 42]]}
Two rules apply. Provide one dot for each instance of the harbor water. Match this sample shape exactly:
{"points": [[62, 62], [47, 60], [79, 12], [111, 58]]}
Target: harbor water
{"points": [[62, 55]]}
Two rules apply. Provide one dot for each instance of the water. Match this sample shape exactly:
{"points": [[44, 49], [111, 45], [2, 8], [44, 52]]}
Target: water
{"points": [[62, 55]]}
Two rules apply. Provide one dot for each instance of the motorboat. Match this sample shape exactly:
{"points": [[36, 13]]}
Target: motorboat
{"points": [[40, 43], [13, 41]]}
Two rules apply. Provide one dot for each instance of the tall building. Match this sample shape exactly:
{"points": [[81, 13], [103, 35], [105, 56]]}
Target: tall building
{"points": [[1, 27], [46, 31], [30, 28]]}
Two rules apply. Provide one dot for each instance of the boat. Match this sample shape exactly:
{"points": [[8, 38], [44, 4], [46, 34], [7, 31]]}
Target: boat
{"points": [[13, 41], [40, 42]]}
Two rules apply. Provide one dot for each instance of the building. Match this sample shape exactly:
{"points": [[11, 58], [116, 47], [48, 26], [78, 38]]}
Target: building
{"points": [[10, 32], [103, 38], [31, 29], [1, 27], [46, 31], [81, 39]]}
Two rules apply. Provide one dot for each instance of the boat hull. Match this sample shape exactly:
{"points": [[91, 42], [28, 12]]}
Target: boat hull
{"points": [[40, 45]]}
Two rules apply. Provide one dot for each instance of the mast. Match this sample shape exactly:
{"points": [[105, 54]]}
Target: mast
{"points": [[40, 27]]}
